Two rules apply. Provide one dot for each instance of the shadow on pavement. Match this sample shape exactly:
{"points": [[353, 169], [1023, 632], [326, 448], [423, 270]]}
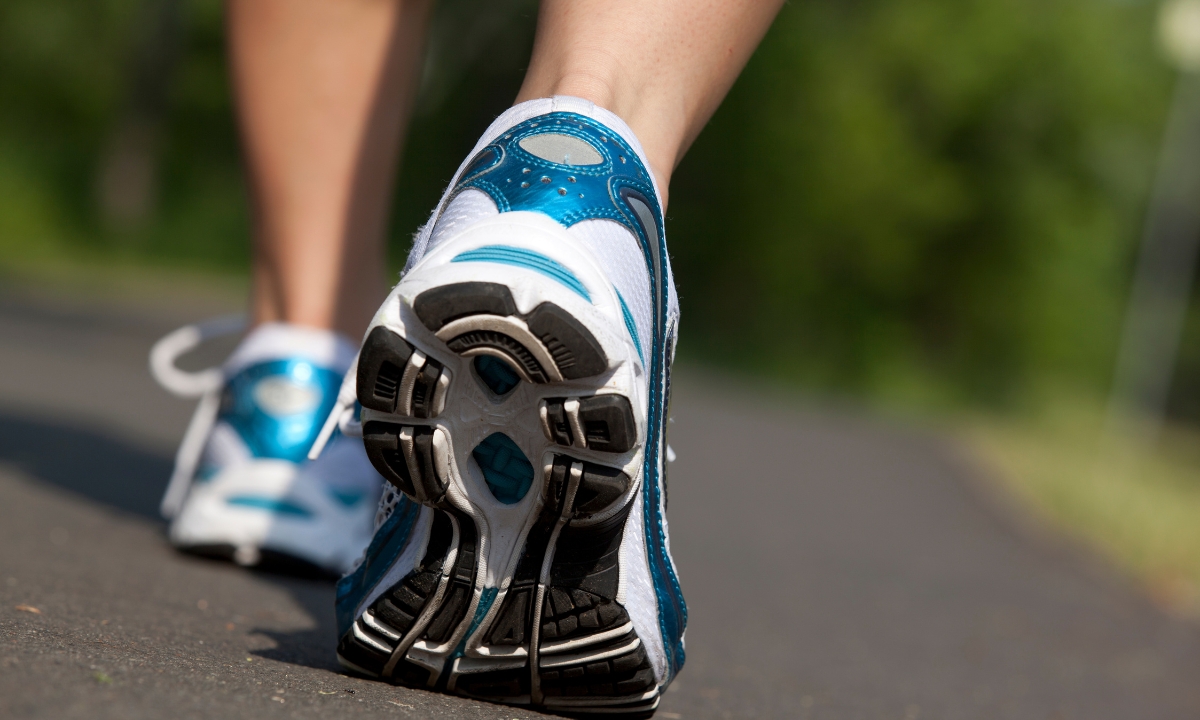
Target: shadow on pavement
{"points": [[99, 467], [121, 476], [311, 648]]}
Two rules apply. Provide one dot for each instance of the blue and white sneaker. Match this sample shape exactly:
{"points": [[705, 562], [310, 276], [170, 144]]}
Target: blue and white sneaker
{"points": [[514, 387], [242, 487]]}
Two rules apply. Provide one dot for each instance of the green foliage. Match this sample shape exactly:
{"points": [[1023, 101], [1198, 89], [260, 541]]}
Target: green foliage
{"points": [[65, 70], [909, 198], [919, 196]]}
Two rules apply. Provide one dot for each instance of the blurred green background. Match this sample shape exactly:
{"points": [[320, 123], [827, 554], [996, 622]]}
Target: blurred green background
{"points": [[928, 200], [930, 204]]}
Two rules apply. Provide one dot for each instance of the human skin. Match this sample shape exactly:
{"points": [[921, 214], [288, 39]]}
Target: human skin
{"points": [[325, 88], [663, 67]]}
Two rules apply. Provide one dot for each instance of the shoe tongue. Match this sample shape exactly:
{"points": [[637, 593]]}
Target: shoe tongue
{"points": [[284, 341]]}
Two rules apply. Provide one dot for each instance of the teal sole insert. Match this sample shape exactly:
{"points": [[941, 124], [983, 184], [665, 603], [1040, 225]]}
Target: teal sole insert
{"points": [[496, 374], [507, 471]]}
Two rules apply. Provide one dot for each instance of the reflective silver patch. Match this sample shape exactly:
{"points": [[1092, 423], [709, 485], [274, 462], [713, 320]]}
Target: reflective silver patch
{"points": [[561, 149], [646, 215], [281, 397]]}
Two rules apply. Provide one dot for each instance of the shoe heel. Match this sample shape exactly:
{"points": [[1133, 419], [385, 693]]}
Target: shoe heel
{"points": [[414, 458], [476, 318], [395, 378]]}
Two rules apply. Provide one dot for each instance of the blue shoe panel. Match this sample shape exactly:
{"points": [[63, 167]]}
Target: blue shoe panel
{"points": [[517, 179], [386, 545], [278, 407]]}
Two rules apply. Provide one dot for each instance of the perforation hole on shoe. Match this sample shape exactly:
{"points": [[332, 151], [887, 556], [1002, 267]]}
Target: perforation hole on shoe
{"points": [[498, 375], [506, 470]]}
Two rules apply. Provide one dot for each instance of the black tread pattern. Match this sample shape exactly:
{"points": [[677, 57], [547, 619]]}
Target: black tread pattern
{"points": [[599, 488], [417, 476], [575, 350], [520, 356], [462, 583], [573, 347], [626, 674], [572, 613], [560, 427], [398, 608], [380, 367], [495, 684], [423, 389], [381, 364], [446, 303], [607, 421]]}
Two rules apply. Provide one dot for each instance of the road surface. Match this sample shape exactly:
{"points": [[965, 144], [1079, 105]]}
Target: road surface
{"points": [[835, 566]]}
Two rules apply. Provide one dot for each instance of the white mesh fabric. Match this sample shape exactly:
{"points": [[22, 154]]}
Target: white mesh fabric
{"points": [[620, 255], [468, 207], [387, 504], [636, 591], [281, 341]]}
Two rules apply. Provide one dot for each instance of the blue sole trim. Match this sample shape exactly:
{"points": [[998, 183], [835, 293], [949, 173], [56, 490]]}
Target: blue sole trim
{"points": [[631, 326], [528, 259], [272, 505]]}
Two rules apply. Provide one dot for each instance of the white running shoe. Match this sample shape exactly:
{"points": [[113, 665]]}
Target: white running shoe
{"points": [[514, 387], [242, 487]]}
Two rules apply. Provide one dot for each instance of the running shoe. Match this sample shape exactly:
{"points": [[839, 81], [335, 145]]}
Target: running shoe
{"points": [[514, 390], [243, 488]]}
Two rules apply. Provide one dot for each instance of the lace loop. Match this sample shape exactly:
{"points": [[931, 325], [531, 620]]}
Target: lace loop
{"points": [[182, 341], [205, 385]]}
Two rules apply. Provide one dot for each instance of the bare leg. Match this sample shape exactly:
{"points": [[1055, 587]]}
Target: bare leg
{"points": [[662, 66], [324, 89]]}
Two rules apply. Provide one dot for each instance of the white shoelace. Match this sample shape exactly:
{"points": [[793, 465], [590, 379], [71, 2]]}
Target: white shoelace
{"points": [[205, 384]]}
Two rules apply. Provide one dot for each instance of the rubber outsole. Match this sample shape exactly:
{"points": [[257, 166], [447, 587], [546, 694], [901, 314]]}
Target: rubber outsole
{"points": [[554, 636]]}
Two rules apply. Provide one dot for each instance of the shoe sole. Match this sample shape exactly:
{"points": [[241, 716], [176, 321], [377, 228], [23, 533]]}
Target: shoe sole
{"points": [[551, 633]]}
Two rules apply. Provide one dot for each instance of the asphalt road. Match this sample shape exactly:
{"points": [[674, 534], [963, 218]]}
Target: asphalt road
{"points": [[835, 567]]}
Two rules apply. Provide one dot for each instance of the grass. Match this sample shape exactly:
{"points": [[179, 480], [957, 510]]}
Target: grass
{"points": [[1138, 503]]}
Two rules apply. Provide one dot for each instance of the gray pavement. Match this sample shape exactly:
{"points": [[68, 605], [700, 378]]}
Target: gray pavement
{"points": [[835, 566]]}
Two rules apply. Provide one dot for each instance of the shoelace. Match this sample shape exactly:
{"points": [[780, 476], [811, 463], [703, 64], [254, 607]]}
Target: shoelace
{"points": [[343, 415], [205, 384]]}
